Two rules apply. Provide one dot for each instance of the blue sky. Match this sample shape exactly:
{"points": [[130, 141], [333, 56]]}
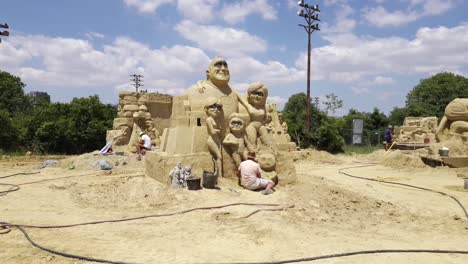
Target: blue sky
{"points": [[369, 53]]}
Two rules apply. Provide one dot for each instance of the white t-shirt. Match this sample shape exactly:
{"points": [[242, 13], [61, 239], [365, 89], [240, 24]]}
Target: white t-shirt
{"points": [[147, 140], [249, 170]]}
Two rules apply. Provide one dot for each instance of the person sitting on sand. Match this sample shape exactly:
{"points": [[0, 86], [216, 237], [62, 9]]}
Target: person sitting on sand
{"points": [[143, 144], [250, 176]]}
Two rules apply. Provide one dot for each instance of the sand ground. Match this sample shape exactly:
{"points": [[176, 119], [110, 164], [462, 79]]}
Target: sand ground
{"points": [[331, 213]]}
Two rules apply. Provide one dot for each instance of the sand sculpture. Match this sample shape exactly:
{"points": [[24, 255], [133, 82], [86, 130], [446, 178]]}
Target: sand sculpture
{"points": [[416, 130], [210, 121], [236, 142], [149, 112], [455, 120], [255, 106]]}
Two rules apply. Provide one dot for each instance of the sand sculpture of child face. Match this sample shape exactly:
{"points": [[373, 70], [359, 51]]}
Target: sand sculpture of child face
{"points": [[213, 110], [257, 94], [267, 161], [237, 125]]}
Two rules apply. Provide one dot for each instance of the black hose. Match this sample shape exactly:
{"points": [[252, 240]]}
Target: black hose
{"points": [[353, 253], [13, 188], [67, 255], [401, 184], [141, 217], [21, 173]]}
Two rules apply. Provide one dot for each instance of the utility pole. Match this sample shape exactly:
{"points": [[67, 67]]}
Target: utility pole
{"points": [[4, 33], [307, 12], [136, 81]]}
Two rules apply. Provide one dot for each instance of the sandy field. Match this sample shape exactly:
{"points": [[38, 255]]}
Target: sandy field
{"points": [[325, 212]]}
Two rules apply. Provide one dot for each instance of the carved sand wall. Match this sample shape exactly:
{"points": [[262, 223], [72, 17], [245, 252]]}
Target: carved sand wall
{"points": [[149, 112]]}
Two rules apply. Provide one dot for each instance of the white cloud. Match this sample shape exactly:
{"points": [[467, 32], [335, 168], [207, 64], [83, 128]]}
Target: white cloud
{"points": [[222, 41], [237, 12], [146, 6], [360, 90], [365, 61], [75, 63], [344, 23], [381, 17], [94, 35], [279, 101], [200, 11], [251, 70]]}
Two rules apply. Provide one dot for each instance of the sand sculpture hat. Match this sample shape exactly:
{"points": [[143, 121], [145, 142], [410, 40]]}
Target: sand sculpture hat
{"points": [[213, 101], [251, 155]]}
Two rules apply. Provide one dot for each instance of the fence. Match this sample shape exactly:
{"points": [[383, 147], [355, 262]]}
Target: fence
{"points": [[369, 137]]}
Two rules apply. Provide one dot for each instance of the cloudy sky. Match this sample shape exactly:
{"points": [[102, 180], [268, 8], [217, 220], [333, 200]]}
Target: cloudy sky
{"points": [[370, 53]]}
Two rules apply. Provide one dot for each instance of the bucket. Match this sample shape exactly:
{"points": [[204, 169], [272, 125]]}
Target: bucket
{"points": [[193, 184], [443, 152], [210, 179], [427, 141]]}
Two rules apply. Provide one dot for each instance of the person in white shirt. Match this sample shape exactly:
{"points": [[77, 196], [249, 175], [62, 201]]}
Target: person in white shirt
{"points": [[250, 176], [143, 144]]}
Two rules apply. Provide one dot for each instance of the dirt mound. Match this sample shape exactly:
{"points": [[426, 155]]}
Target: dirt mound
{"points": [[90, 161], [311, 155], [398, 159]]}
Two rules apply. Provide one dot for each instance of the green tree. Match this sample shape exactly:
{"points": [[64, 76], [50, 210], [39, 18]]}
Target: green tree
{"points": [[12, 96], [8, 132], [431, 96], [332, 103], [397, 116], [324, 132]]}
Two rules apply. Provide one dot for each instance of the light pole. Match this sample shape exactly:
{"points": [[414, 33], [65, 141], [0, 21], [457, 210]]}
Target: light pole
{"points": [[307, 12], [4, 33], [136, 81]]}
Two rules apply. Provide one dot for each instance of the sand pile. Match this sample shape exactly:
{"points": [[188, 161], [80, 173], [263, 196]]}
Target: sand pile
{"points": [[398, 159], [456, 147], [90, 161], [312, 155]]}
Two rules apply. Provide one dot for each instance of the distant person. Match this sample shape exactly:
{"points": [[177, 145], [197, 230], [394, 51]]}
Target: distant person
{"points": [[143, 144], [388, 137], [250, 176]]}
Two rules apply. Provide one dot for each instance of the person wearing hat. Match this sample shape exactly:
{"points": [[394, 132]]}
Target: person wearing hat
{"points": [[143, 144], [250, 176]]}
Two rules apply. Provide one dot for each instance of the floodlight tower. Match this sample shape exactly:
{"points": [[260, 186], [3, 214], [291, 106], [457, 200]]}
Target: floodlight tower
{"points": [[136, 81], [4, 33], [308, 13]]}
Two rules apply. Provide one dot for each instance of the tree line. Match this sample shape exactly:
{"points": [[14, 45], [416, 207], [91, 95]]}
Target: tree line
{"points": [[33, 122], [428, 98]]}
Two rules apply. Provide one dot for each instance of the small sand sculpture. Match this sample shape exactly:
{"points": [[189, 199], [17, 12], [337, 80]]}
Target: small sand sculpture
{"points": [[455, 120], [214, 121], [256, 107], [236, 142], [267, 160], [176, 176]]}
